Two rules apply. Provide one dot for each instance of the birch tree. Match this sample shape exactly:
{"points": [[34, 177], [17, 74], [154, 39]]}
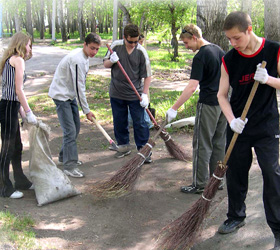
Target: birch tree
{"points": [[210, 18], [272, 19]]}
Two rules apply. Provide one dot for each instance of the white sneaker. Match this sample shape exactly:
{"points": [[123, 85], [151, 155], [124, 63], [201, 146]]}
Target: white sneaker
{"points": [[74, 173], [16, 195]]}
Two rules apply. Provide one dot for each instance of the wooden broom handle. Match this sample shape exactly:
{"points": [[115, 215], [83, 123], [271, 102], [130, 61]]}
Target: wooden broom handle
{"points": [[102, 130], [133, 87], [243, 117]]}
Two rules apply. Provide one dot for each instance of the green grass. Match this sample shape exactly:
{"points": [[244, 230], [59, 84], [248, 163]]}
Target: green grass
{"points": [[99, 101], [17, 231]]}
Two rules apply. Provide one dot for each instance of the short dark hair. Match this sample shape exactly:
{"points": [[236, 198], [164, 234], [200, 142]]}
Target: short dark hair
{"points": [[238, 19], [93, 38], [131, 30], [141, 36]]}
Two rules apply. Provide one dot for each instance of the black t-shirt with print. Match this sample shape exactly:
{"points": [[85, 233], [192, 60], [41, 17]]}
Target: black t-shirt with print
{"points": [[263, 117]]}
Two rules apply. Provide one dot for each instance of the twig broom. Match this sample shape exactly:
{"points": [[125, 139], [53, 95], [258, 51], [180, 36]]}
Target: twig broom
{"points": [[125, 178], [182, 233], [173, 148]]}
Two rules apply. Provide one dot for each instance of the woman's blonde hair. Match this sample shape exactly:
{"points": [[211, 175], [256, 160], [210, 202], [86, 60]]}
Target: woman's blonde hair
{"points": [[17, 46]]}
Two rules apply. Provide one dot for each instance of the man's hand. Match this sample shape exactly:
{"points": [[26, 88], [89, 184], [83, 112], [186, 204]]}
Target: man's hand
{"points": [[237, 125], [114, 58], [90, 115], [261, 74], [170, 114], [31, 118], [145, 101]]}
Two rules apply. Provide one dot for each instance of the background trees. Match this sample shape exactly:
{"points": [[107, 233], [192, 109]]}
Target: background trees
{"points": [[165, 18]]}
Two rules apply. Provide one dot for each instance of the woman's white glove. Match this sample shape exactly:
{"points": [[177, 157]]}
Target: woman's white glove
{"points": [[114, 57], [31, 118], [171, 114], [261, 74], [145, 101], [237, 125]]}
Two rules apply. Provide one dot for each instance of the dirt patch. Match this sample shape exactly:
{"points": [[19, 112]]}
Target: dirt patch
{"points": [[130, 222]]}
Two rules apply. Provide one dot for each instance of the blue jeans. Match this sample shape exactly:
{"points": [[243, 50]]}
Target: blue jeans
{"points": [[68, 115], [120, 117]]}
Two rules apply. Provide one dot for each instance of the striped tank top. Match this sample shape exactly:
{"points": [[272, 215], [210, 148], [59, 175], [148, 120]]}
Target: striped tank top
{"points": [[8, 82]]}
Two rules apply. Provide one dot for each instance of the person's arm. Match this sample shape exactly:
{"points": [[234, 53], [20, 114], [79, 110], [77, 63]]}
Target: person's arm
{"points": [[223, 95], [273, 81], [186, 94], [19, 66], [147, 82]]}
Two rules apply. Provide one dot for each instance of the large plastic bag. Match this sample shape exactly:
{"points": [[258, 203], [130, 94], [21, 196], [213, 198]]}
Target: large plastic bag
{"points": [[50, 183]]}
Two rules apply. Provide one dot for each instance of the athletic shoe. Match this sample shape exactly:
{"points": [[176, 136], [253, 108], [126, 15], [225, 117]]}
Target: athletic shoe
{"points": [[16, 195], [191, 190], [230, 225], [122, 154], [74, 173], [79, 163], [148, 160]]}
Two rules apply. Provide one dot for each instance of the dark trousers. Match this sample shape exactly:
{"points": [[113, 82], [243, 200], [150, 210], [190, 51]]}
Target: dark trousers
{"points": [[120, 117], [267, 151], [11, 149]]}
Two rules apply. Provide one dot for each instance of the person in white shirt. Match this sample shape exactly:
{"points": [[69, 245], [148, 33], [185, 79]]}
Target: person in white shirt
{"points": [[68, 85]]}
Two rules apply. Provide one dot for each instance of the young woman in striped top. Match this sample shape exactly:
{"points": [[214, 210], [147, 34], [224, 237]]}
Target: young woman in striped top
{"points": [[13, 101]]}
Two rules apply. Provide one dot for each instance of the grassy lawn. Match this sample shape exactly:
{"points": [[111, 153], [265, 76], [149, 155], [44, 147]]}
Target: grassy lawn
{"points": [[16, 232]]}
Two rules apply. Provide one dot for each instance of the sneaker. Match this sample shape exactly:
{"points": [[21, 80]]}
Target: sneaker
{"points": [[122, 154], [16, 195], [74, 173], [60, 163], [230, 225], [78, 170], [191, 190], [148, 160]]}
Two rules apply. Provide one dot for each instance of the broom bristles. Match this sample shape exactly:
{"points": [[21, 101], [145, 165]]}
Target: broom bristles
{"points": [[182, 233], [173, 148], [125, 178]]}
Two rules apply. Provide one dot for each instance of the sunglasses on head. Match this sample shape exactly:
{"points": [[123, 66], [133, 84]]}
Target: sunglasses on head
{"points": [[185, 31], [131, 42]]}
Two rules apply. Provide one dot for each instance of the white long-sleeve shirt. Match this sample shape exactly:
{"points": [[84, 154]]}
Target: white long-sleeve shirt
{"points": [[64, 85]]}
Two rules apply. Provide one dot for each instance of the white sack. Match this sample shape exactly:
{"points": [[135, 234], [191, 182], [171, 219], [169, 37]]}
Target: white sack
{"points": [[50, 183]]}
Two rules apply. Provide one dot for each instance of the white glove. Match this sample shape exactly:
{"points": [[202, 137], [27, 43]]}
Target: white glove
{"points": [[145, 101], [114, 57], [261, 74], [31, 118], [237, 125], [171, 114]]}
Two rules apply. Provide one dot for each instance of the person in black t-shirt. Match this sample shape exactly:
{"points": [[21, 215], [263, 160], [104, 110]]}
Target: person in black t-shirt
{"points": [[240, 67], [210, 123]]}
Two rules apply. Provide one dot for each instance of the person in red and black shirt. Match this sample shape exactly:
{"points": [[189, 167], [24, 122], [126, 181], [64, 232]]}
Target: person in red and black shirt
{"points": [[260, 130]]}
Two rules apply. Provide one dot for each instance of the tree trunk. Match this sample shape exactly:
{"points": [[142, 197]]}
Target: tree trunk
{"points": [[126, 15], [81, 24], [42, 20], [17, 19], [210, 18], [272, 19], [174, 29], [120, 28], [246, 6], [49, 14], [93, 18], [29, 27], [61, 21]]}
